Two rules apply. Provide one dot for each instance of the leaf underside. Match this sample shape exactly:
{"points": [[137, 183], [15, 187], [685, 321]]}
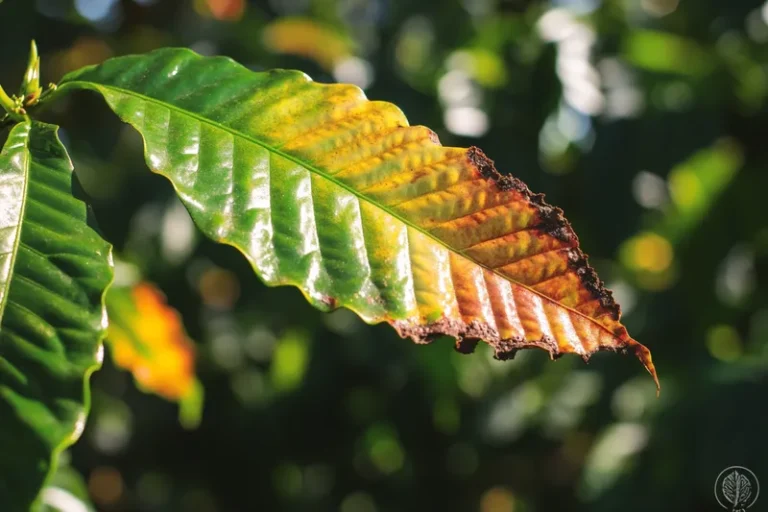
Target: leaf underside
{"points": [[53, 272], [337, 195]]}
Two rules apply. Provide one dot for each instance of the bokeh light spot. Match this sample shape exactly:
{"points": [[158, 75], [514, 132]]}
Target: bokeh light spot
{"points": [[290, 361], [95, 10], [685, 188], [153, 489], [105, 485], [384, 449], [446, 415], [497, 499], [466, 121], [650, 252], [358, 502], [724, 343], [219, 288], [287, 479]]}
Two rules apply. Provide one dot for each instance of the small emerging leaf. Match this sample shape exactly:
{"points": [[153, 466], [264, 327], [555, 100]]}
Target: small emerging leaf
{"points": [[337, 195], [30, 86]]}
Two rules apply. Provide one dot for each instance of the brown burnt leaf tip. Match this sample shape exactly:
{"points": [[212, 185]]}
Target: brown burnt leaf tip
{"points": [[507, 349], [466, 345], [488, 170], [553, 222], [644, 355], [468, 336], [578, 261], [550, 217]]}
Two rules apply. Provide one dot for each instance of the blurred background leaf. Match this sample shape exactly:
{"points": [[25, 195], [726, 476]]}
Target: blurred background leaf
{"points": [[147, 338]]}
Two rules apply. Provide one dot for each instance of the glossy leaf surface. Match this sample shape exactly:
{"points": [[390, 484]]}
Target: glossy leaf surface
{"points": [[337, 195], [54, 270]]}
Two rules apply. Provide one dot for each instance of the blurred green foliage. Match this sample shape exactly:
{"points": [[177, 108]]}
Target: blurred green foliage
{"points": [[644, 120]]}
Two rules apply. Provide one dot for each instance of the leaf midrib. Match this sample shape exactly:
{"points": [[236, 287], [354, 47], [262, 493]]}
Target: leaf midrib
{"points": [[23, 209], [95, 85]]}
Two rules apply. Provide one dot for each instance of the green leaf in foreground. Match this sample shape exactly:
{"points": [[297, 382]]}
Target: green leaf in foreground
{"points": [[337, 195], [54, 270]]}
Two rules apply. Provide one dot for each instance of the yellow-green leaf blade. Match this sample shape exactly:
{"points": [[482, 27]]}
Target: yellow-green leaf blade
{"points": [[338, 195]]}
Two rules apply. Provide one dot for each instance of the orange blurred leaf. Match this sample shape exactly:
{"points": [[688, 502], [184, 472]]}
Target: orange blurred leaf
{"points": [[223, 10], [147, 338], [308, 38]]}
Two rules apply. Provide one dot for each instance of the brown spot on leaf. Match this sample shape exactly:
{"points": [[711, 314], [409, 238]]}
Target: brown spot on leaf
{"points": [[329, 301]]}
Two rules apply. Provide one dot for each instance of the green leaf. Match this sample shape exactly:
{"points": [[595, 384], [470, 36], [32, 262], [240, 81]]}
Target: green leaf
{"points": [[337, 195], [54, 270], [66, 490]]}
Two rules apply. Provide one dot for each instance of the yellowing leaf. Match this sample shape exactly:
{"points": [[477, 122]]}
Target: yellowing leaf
{"points": [[147, 338], [339, 196]]}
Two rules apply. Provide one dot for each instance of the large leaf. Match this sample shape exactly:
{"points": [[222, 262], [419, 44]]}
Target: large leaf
{"points": [[54, 270], [325, 190]]}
